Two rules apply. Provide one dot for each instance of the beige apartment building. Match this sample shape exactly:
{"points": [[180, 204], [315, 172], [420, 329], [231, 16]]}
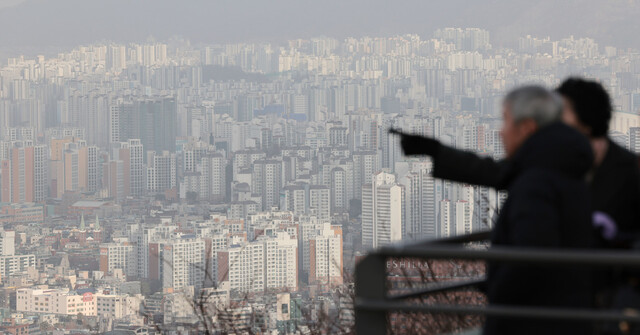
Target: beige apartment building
{"points": [[55, 301], [65, 302]]}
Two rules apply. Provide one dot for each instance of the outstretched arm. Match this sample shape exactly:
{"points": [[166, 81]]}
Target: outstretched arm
{"points": [[467, 167], [453, 164]]}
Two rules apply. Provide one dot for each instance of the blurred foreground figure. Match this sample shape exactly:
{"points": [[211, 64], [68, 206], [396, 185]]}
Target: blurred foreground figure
{"points": [[615, 180], [548, 206], [615, 185]]}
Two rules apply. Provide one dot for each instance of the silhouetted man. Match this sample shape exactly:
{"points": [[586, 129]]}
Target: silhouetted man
{"points": [[547, 206]]}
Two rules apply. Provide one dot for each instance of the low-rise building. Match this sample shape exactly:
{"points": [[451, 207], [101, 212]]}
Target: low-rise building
{"points": [[21, 213], [118, 306], [55, 301], [65, 302]]}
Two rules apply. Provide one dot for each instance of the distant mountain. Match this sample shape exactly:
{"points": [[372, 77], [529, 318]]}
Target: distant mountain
{"points": [[72, 22]]}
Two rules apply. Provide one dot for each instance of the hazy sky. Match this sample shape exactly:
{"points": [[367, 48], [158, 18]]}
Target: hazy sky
{"points": [[9, 3], [72, 22]]}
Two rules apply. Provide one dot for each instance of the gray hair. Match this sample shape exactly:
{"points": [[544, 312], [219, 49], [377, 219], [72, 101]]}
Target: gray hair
{"points": [[534, 102]]}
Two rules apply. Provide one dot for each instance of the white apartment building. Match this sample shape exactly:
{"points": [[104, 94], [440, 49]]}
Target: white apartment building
{"points": [[181, 262], [141, 236], [136, 167], [464, 219], [309, 226], [365, 165], [266, 180], [320, 201], [341, 190], [325, 256], [445, 219], [214, 243], [7, 243], [217, 176], [382, 204], [208, 179], [161, 171], [192, 154], [243, 266], [10, 265], [420, 210], [281, 261], [295, 199], [119, 256], [118, 306], [307, 199]]}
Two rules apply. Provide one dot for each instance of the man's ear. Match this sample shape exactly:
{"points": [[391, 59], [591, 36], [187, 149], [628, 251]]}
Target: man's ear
{"points": [[528, 127]]}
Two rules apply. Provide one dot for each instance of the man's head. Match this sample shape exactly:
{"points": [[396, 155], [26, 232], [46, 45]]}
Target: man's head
{"points": [[525, 110], [587, 106]]}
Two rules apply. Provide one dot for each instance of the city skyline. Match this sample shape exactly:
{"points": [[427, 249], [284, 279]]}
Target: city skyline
{"points": [[148, 175]]}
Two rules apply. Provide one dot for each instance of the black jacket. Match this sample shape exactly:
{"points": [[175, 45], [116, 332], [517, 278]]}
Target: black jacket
{"points": [[548, 206], [467, 167], [616, 191]]}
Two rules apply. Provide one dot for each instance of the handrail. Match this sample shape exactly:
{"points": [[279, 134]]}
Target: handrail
{"points": [[475, 237], [501, 311], [372, 301], [504, 254]]}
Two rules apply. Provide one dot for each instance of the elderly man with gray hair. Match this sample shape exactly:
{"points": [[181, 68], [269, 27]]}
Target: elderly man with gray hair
{"points": [[548, 206]]}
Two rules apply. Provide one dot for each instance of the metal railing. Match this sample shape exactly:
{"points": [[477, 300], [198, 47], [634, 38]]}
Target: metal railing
{"points": [[373, 301]]}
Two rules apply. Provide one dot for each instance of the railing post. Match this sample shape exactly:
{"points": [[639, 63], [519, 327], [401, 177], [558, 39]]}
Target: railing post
{"points": [[371, 277]]}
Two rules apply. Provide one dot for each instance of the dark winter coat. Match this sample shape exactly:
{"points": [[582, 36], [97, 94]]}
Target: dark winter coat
{"points": [[548, 207]]}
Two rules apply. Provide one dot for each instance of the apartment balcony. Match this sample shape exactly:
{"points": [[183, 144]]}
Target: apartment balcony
{"points": [[382, 306]]}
